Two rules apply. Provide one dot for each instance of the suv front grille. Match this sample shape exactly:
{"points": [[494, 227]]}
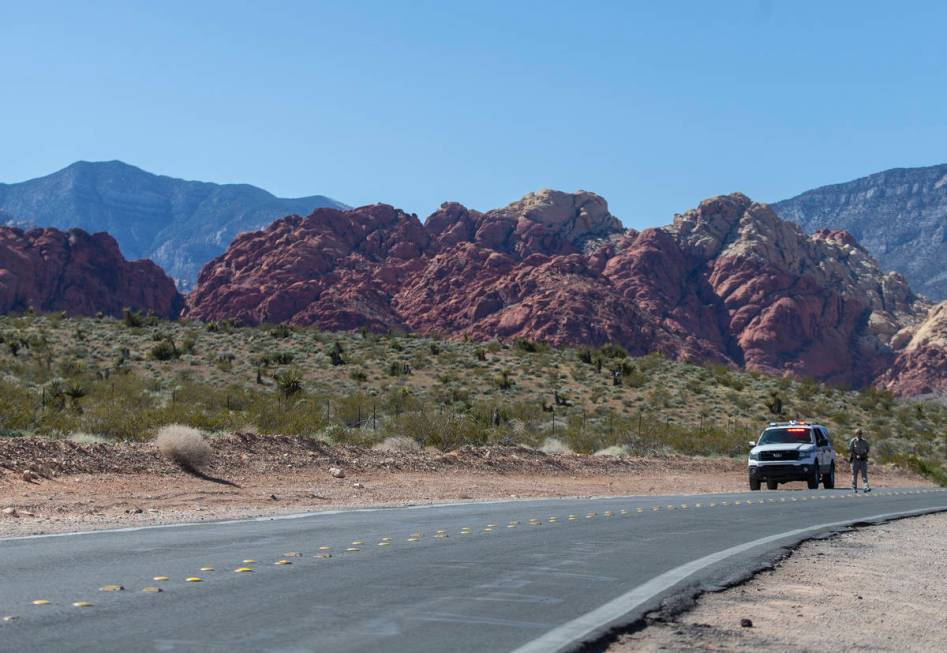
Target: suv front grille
{"points": [[779, 455]]}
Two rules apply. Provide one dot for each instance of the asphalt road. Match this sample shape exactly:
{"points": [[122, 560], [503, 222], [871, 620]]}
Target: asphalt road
{"points": [[407, 579]]}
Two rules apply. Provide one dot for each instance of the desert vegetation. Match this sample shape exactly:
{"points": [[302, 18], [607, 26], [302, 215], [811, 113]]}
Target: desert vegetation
{"points": [[128, 378]]}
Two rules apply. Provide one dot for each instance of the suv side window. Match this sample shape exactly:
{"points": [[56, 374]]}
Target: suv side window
{"points": [[822, 438]]}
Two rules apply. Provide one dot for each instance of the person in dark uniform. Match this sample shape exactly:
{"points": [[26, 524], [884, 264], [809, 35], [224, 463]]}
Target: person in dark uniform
{"points": [[858, 450]]}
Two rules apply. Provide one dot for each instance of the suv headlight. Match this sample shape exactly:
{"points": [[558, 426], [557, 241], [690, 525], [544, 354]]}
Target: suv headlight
{"points": [[754, 456]]}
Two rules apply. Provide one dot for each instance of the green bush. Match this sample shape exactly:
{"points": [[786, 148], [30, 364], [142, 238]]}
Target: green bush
{"points": [[165, 351]]}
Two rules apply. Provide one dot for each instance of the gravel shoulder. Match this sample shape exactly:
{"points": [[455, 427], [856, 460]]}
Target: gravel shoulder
{"points": [[49, 486], [879, 588]]}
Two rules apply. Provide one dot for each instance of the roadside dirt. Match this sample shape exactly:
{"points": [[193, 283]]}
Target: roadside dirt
{"points": [[55, 485], [874, 589]]}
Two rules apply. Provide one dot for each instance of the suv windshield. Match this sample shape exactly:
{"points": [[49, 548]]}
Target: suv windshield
{"points": [[787, 435]]}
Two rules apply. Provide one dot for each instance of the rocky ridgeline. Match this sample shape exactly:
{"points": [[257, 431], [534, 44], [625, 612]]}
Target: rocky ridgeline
{"points": [[83, 274], [898, 215], [728, 282]]}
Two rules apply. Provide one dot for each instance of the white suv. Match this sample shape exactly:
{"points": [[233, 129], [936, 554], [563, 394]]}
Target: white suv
{"points": [[792, 451]]}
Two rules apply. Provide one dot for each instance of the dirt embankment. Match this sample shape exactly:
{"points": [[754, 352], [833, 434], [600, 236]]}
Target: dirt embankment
{"points": [[874, 589], [56, 485]]}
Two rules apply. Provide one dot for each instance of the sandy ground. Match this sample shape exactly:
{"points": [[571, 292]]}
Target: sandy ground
{"points": [[879, 588], [58, 486]]}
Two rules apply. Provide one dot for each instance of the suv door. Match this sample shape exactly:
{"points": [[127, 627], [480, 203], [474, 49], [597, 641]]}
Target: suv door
{"points": [[824, 448]]}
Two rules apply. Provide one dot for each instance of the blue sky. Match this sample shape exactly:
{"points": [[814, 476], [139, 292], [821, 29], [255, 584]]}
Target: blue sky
{"points": [[652, 105]]}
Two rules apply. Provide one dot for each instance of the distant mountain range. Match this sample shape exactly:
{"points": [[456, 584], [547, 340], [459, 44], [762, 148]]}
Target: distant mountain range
{"points": [[899, 216], [178, 224]]}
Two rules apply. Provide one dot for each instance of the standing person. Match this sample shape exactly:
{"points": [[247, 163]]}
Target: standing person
{"points": [[858, 456]]}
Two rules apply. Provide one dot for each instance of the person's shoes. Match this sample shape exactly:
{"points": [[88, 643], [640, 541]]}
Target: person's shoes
{"points": [[867, 489], [855, 490]]}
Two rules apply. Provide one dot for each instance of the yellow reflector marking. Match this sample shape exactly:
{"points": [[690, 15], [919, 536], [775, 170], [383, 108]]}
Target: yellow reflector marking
{"points": [[111, 588], [160, 578], [282, 562], [242, 570], [81, 604], [40, 602], [193, 579], [151, 590]]}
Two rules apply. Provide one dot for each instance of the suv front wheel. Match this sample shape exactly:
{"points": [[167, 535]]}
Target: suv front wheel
{"points": [[754, 484], [828, 480]]}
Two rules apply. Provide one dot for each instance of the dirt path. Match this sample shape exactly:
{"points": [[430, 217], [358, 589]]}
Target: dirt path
{"points": [[54, 486], [874, 589]]}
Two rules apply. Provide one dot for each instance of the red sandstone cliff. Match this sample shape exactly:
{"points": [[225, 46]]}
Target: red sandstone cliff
{"points": [[82, 274]]}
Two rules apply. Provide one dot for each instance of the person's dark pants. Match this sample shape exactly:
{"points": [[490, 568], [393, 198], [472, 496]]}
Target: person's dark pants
{"points": [[862, 466]]}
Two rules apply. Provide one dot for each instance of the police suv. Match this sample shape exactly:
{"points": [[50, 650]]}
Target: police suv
{"points": [[792, 451]]}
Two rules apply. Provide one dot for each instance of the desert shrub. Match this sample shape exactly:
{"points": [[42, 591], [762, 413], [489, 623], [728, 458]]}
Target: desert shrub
{"points": [[87, 438], [399, 444], [183, 445], [289, 382], [165, 351], [132, 319], [531, 347], [613, 450], [612, 351], [434, 348], [480, 354], [554, 445], [398, 368], [359, 376], [281, 331], [504, 380], [189, 344]]}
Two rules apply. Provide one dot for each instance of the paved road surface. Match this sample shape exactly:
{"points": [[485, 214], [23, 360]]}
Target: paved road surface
{"points": [[418, 581]]}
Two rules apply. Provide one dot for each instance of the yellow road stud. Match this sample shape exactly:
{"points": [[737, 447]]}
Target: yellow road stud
{"points": [[248, 562], [242, 570], [193, 579], [384, 543], [111, 588], [10, 617], [322, 555], [40, 602], [352, 549], [357, 543], [160, 578], [207, 569], [152, 590], [325, 548], [81, 604], [282, 562], [292, 554]]}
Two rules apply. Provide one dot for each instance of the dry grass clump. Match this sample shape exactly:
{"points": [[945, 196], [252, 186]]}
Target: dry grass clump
{"points": [[399, 444], [87, 438], [183, 445], [613, 450], [555, 445]]}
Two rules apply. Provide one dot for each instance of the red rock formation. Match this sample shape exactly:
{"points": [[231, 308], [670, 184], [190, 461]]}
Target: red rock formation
{"points": [[921, 364], [727, 281], [82, 274]]}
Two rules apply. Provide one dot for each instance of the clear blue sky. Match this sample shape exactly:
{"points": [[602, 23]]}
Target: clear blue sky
{"points": [[652, 105]]}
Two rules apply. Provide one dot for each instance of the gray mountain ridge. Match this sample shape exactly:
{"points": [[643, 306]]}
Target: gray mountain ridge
{"points": [[178, 224], [899, 216]]}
